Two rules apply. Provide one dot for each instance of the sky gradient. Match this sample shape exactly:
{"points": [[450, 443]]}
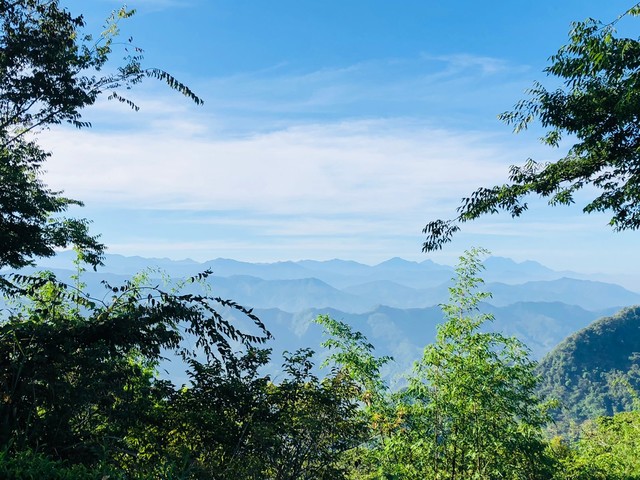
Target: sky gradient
{"points": [[329, 129]]}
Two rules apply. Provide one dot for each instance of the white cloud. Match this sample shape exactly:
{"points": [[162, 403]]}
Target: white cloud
{"points": [[459, 63], [342, 162], [377, 167], [427, 85]]}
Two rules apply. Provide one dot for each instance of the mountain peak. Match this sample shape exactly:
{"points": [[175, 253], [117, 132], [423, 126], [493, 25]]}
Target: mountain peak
{"points": [[396, 262]]}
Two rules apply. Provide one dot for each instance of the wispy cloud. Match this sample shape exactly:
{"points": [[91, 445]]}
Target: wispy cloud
{"points": [[364, 167], [462, 62], [444, 87], [340, 162], [459, 91]]}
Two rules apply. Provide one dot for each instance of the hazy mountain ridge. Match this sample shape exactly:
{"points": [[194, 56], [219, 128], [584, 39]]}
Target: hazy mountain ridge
{"points": [[292, 286], [395, 303], [540, 325], [338, 273], [589, 294]]}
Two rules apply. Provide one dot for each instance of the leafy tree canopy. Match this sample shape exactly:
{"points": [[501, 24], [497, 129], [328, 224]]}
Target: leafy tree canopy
{"points": [[469, 409], [473, 407], [49, 71], [76, 372], [607, 450], [598, 105]]}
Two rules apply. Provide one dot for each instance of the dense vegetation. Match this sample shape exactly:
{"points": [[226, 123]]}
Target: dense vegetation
{"points": [[595, 371], [82, 397], [80, 392]]}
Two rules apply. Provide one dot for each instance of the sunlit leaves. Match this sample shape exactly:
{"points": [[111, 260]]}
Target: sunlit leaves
{"points": [[597, 107], [471, 402]]}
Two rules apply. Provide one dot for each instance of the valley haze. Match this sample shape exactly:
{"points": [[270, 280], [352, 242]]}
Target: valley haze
{"points": [[394, 303]]}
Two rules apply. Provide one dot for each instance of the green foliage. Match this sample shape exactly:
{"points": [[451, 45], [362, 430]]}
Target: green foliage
{"points": [[611, 445], [29, 466], [74, 385], [50, 70], [209, 428], [597, 107], [27, 229], [469, 410], [595, 371], [354, 354], [472, 395], [607, 450], [79, 385], [315, 422], [236, 423]]}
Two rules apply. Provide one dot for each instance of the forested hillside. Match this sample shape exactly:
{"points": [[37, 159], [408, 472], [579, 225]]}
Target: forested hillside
{"points": [[595, 371]]}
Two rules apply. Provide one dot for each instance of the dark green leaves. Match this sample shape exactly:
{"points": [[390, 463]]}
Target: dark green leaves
{"points": [[78, 374], [598, 106], [50, 70], [28, 227], [48, 66]]}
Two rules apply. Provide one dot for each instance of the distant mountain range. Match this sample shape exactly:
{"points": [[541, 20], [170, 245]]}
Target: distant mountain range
{"points": [[338, 273], [356, 287], [395, 303]]}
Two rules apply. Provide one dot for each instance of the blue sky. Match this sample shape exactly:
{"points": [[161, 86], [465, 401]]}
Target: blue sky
{"points": [[330, 129]]}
